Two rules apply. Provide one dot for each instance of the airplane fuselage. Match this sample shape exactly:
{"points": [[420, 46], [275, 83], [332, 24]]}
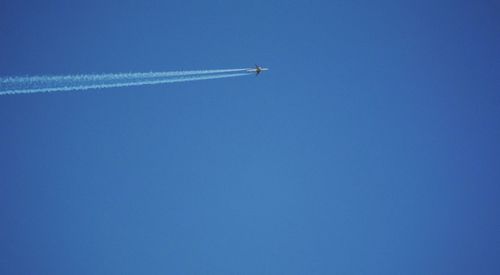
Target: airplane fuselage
{"points": [[257, 70]]}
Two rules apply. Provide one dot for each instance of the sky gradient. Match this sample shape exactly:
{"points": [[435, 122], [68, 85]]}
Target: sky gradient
{"points": [[370, 147]]}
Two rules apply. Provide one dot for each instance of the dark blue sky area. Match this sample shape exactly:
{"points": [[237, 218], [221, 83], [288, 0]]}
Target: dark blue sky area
{"points": [[370, 147]]}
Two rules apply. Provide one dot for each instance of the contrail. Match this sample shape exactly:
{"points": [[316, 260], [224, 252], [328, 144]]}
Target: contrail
{"points": [[38, 84], [95, 77]]}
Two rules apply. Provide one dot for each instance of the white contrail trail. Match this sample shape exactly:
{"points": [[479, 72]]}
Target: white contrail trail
{"points": [[75, 85], [115, 76]]}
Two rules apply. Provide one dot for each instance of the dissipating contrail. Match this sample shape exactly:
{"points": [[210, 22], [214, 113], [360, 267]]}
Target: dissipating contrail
{"points": [[38, 84]]}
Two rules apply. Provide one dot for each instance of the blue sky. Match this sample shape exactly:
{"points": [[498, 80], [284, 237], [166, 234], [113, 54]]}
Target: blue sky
{"points": [[370, 147]]}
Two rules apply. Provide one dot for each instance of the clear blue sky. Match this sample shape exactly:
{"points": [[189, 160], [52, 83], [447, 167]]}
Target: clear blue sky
{"points": [[370, 147]]}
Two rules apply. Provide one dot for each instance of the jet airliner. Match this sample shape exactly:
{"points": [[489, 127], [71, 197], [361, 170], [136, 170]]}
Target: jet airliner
{"points": [[257, 70]]}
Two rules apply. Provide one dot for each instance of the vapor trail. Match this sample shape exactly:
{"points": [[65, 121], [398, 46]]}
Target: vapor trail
{"points": [[38, 84], [96, 77]]}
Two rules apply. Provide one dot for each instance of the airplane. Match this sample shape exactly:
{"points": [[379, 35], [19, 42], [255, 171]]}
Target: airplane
{"points": [[257, 70]]}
